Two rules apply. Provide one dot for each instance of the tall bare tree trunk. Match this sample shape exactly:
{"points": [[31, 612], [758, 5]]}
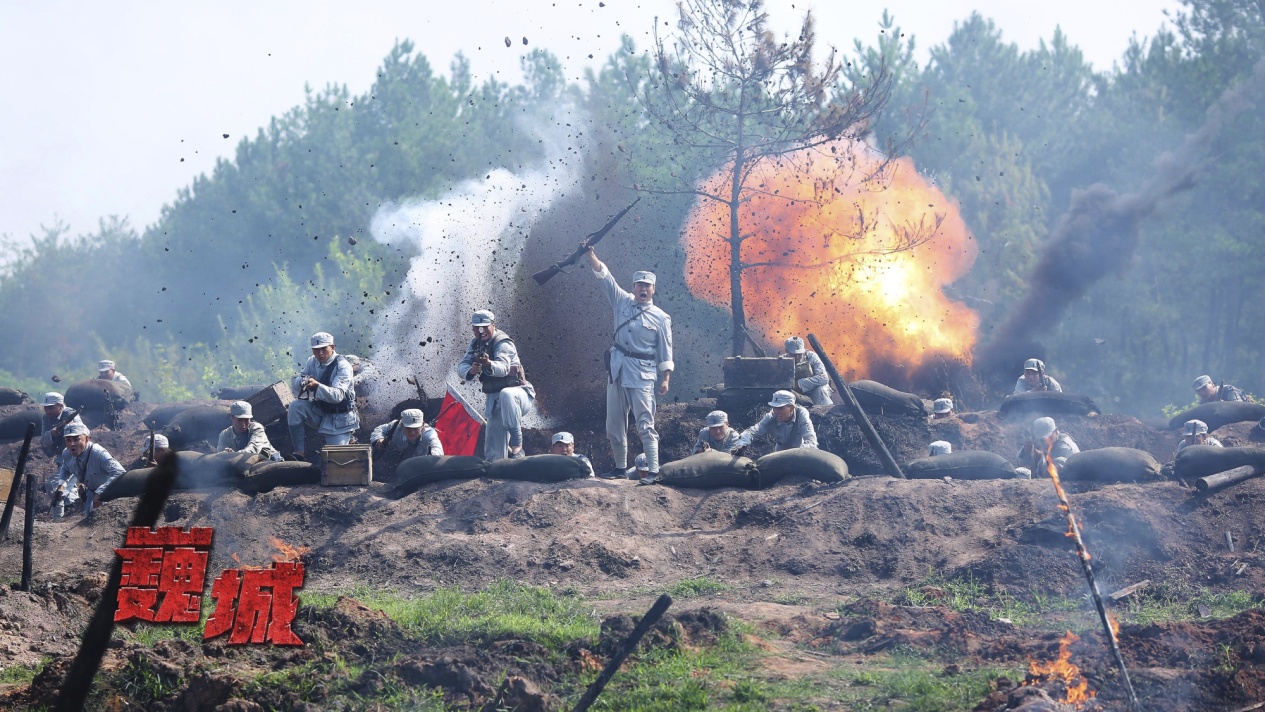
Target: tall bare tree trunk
{"points": [[735, 244]]}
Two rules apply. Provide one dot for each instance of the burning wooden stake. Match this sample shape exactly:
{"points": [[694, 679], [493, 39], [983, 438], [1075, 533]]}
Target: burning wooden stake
{"points": [[1082, 553]]}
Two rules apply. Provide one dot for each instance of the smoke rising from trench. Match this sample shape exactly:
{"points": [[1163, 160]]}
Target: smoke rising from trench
{"points": [[1099, 233], [469, 243]]}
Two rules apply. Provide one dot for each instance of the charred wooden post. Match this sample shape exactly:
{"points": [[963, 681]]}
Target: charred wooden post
{"points": [[28, 535], [630, 644], [850, 400], [1212, 483], [12, 501], [78, 682]]}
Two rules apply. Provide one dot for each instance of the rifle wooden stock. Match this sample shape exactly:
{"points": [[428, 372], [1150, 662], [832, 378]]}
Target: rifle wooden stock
{"points": [[551, 271]]}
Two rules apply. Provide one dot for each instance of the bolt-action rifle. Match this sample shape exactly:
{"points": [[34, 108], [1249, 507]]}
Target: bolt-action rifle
{"points": [[549, 272]]}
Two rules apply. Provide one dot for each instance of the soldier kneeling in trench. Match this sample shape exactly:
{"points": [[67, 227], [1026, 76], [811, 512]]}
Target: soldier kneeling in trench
{"points": [[245, 435], [1047, 443], [1196, 433], [409, 436], [563, 443], [86, 470], [717, 435], [790, 425]]}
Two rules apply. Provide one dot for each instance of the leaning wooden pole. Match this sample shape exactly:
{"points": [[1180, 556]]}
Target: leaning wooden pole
{"points": [[867, 428], [630, 644], [17, 482], [78, 682], [28, 537]]}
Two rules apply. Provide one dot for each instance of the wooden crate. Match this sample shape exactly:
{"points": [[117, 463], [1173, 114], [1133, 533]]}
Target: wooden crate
{"points": [[346, 465], [270, 404], [759, 372]]}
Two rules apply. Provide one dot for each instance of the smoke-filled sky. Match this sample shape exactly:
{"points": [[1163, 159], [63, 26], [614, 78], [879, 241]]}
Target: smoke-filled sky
{"points": [[103, 100]]}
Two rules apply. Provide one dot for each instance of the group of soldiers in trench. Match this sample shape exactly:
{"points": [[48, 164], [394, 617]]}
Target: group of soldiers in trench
{"points": [[639, 368]]}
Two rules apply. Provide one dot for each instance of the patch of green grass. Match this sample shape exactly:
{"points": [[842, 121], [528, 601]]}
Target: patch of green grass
{"points": [[21, 674], [1042, 610], [1176, 602], [697, 586], [789, 599], [142, 685]]}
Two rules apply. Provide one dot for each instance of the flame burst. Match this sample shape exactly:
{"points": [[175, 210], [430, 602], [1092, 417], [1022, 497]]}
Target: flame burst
{"points": [[1078, 692], [847, 248], [287, 553]]}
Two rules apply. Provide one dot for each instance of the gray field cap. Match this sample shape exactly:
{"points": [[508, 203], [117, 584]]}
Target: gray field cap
{"points": [[483, 317], [1033, 364], [1201, 382], [943, 405], [794, 345], [241, 409], [75, 428], [641, 463], [54, 398], [563, 437], [1196, 427], [1043, 428], [717, 417], [105, 365], [322, 339], [941, 447], [412, 418], [160, 442], [643, 276], [782, 398]]}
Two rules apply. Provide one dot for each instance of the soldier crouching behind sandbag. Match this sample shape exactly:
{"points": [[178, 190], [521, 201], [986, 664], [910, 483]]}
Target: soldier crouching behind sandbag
{"points": [[790, 425], [56, 417], [810, 372], [717, 435], [245, 435], [1210, 392], [1195, 432], [1035, 378], [408, 436], [942, 408], [940, 447], [1047, 443], [492, 358], [326, 397], [86, 470], [563, 443]]}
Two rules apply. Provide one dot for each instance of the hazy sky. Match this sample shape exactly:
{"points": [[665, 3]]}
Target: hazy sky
{"points": [[103, 100]]}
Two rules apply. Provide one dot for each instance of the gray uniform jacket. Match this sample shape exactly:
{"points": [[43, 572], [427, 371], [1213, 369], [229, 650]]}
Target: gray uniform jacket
{"points": [[728, 444], [797, 432], [95, 468], [46, 429], [1227, 393], [1063, 447], [643, 330], [503, 356], [254, 440], [1021, 386], [1211, 441], [339, 388], [819, 377], [427, 444], [587, 463]]}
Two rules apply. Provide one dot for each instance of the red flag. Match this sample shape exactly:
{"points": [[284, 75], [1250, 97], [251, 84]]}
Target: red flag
{"points": [[457, 424]]}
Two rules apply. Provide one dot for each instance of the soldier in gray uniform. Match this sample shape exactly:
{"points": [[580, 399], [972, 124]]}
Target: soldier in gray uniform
{"points": [[1210, 392], [810, 372], [245, 435], [640, 470], [788, 423], [1196, 433], [717, 435], [563, 443], [56, 417], [82, 463], [1035, 378], [106, 372], [409, 436], [326, 399], [940, 447], [942, 408], [640, 356], [492, 358], [1046, 436]]}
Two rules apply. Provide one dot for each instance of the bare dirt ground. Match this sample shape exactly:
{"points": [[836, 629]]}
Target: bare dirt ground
{"points": [[815, 568]]}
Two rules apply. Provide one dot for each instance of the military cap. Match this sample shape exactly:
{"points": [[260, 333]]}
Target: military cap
{"points": [[943, 405], [795, 345], [563, 437], [54, 398], [75, 428], [160, 442], [1196, 427], [105, 365], [241, 409], [483, 317], [1034, 364], [322, 339], [644, 276], [412, 418], [1043, 428], [941, 447], [641, 463], [1202, 381], [717, 417], [781, 398]]}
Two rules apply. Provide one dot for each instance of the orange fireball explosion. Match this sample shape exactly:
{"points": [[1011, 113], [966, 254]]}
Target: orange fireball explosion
{"points": [[823, 236]]}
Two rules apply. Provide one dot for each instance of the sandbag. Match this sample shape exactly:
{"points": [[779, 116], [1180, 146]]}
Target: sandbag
{"points": [[534, 468], [193, 425], [874, 397], [97, 394], [194, 471], [820, 465], [1038, 404], [711, 470], [1219, 413], [162, 415], [13, 425], [236, 393], [1111, 464], [12, 396], [1198, 461], [264, 476], [961, 465], [416, 472]]}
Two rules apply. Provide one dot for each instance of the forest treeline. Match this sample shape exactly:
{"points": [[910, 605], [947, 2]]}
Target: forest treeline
{"points": [[273, 244]]}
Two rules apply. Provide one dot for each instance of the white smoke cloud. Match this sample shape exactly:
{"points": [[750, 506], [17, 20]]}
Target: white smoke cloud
{"points": [[468, 245]]}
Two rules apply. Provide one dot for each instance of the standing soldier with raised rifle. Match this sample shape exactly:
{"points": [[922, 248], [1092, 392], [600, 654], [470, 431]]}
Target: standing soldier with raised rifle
{"points": [[492, 358], [640, 355]]}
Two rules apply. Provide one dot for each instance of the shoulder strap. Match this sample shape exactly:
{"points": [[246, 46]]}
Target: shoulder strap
{"points": [[640, 310]]}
